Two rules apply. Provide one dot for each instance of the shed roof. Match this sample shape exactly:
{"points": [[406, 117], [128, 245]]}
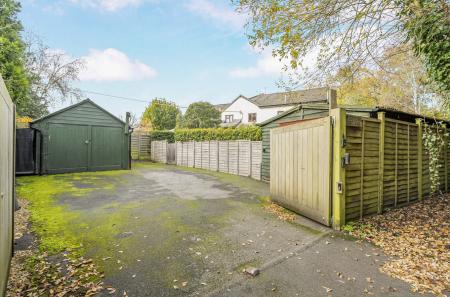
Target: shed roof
{"points": [[291, 98], [391, 113], [76, 105]]}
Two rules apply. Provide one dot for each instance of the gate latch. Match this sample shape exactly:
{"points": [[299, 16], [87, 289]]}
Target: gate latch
{"points": [[343, 141], [339, 187], [345, 160]]}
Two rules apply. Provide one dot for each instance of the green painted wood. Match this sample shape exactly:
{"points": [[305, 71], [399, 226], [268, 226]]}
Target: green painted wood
{"points": [[95, 140], [106, 153], [67, 140]]}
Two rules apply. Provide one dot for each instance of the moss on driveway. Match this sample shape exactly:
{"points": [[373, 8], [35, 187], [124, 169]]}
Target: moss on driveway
{"points": [[160, 230]]}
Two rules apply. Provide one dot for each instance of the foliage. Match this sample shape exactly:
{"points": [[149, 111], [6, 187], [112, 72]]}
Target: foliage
{"points": [[336, 34], [415, 239], [51, 74], [245, 132], [12, 54], [401, 84], [434, 139], [201, 115], [427, 24], [162, 114], [162, 135]]}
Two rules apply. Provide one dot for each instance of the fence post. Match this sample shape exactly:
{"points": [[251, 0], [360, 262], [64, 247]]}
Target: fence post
{"points": [[444, 126], [139, 145], [419, 158], [338, 175], [382, 118]]}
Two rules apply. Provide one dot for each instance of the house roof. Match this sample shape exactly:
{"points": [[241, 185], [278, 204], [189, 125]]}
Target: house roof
{"points": [[222, 107], [290, 98], [76, 105]]}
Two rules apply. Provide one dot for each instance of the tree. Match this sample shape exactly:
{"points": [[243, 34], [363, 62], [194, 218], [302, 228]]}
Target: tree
{"points": [[344, 33], [12, 54], [401, 84], [201, 115], [162, 114], [51, 74], [427, 24]]}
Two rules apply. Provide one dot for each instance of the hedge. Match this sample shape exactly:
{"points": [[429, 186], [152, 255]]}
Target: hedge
{"points": [[162, 135], [206, 134]]}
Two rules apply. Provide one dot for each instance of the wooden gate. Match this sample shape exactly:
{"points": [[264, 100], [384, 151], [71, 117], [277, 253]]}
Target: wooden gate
{"points": [[7, 114], [171, 153], [300, 166]]}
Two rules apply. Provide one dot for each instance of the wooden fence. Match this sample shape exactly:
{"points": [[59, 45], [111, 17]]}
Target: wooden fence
{"points": [[159, 151], [377, 164], [7, 158], [239, 157], [140, 146]]}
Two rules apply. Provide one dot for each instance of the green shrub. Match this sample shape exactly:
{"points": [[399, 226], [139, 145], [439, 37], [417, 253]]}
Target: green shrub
{"points": [[246, 132], [162, 135]]}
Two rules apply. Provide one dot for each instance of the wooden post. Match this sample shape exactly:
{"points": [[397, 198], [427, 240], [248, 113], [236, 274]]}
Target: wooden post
{"points": [[419, 158], [444, 126], [396, 166], [408, 173], [382, 118], [338, 172], [361, 197]]}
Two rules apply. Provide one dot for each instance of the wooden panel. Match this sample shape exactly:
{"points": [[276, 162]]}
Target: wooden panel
{"points": [[159, 151], [244, 161], [233, 157], [214, 155], [205, 155], [106, 154], [198, 154], [362, 174], [256, 150], [300, 165], [223, 156], [7, 114]]}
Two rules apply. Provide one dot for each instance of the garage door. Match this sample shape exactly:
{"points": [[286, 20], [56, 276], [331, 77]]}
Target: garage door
{"points": [[74, 148], [106, 148], [300, 162], [68, 148]]}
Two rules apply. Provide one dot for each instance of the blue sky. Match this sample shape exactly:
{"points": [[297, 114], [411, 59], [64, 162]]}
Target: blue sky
{"points": [[182, 50]]}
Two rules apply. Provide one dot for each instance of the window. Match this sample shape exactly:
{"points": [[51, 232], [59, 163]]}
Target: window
{"points": [[228, 118], [251, 117], [280, 111]]}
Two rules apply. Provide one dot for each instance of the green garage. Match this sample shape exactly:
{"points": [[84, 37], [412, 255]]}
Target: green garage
{"points": [[83, 137]]}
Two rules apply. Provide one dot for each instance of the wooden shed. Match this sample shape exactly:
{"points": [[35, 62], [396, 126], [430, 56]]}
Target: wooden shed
{"points": [[353, 162], [297, 114], [83, 137]]}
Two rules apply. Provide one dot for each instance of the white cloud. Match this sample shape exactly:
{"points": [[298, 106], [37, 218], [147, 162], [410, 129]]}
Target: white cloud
{"points": [[113, 65], [221, 14], [268, 65], [109, 5]]}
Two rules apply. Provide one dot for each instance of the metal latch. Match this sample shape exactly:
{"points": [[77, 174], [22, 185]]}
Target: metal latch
{"points": [[339, 187], [343, 141], [345, 160]]}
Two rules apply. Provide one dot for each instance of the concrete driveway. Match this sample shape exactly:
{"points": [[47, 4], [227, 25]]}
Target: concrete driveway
{"points": [[170, 231]]}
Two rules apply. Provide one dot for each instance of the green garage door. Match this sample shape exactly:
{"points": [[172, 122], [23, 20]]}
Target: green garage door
{"points": [[67, 148], [107, 144], [73, 148]]}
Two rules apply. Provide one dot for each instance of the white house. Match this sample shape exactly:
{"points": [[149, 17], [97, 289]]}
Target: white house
{"points": [[262, 107]]}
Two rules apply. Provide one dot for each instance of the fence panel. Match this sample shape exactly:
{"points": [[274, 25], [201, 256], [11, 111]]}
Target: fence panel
{"points": [[159, 151], [214, 155], [256, 148], [223, 156], [240, 157], [362, 174], [244, 162], [205, 155], [140, 146], [233, 157], [7, 149]]}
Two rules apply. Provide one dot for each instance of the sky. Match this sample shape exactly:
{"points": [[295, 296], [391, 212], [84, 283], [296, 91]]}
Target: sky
{"points": [[181, 50]]}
